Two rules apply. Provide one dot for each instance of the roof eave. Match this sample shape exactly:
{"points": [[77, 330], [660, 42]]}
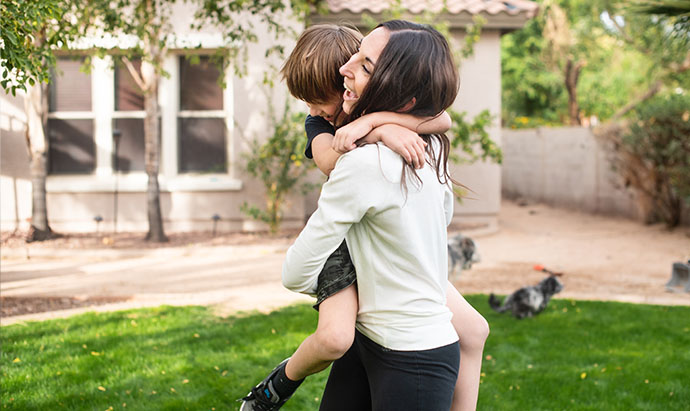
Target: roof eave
{"points": [[500, 21]]}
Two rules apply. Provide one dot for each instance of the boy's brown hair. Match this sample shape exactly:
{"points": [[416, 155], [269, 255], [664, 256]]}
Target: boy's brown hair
{"points": [[311, 71]]}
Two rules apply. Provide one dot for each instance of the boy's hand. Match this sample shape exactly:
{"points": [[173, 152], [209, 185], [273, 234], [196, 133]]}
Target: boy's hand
{"points": [[346, 136], [403, 141]]}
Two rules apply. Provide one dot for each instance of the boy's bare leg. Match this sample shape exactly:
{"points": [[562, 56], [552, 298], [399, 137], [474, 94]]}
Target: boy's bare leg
{"points": [[334, 335], [473, 331]]}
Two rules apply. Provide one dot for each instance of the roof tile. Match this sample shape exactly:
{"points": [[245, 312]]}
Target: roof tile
{"points": [[491, 7]]}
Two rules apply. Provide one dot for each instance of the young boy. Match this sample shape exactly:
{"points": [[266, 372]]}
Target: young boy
{"points": [[311, 74]]}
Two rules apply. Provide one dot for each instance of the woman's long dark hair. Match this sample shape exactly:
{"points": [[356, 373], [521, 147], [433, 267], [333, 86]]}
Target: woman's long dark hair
{"points": [[415, 64]]}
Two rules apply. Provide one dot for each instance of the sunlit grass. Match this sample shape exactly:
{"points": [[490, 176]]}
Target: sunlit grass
{"points": [[575, 355]]}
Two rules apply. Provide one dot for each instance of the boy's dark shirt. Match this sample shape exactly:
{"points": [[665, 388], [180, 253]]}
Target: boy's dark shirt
{"points": [[315, 126]]}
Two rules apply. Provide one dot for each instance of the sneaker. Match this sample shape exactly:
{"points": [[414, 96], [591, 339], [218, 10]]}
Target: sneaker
{"points": [[264, 397]]}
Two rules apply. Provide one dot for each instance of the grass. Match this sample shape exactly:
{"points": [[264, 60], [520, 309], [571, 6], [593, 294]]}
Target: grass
{"points": [[576, 355]]}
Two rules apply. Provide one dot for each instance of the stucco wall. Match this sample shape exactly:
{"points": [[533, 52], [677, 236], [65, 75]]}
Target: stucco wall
{"points": [[566, 167], [480, 89], [188, 202]]}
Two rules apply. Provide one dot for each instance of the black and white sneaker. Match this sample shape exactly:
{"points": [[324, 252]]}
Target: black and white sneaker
{"points": [[264, 397]]}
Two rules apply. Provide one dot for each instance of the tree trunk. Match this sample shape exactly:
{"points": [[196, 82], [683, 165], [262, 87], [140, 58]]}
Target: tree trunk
{"points": [[36, 104], [572, 74], [151, 78]]}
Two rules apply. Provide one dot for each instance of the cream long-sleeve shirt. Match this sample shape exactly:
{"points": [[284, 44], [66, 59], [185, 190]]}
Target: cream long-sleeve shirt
{"points": [[397, 241]]}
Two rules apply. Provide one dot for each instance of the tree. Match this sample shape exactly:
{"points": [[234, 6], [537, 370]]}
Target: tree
{"points": [[31, 32], [649, 36], [630, 56], [561, 54]]}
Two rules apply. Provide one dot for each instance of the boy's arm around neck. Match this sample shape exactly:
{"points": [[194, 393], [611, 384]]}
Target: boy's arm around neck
{"points": [[324, 155]]}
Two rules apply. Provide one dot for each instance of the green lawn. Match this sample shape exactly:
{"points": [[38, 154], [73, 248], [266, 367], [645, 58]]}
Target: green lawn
{"points": [[576, 355]]}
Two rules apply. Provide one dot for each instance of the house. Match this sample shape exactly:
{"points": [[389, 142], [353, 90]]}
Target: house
{"points": [[95, 129]]}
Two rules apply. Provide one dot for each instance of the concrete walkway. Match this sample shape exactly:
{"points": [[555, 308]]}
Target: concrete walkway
{"points": [[236, 278]]}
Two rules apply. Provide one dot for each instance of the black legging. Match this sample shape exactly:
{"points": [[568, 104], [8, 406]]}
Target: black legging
{"points": [[371, 377]]}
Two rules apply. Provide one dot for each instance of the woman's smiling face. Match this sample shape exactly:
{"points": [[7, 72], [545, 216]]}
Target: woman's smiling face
{"points": [[358, 69]]}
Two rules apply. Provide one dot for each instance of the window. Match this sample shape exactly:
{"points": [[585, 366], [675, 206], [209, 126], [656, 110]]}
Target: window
{"points": [[72, 149], [88, 111], [202, 132], [128, 121]]}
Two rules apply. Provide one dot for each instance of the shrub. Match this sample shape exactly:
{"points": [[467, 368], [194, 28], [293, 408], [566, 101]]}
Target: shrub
{"points": [[277, 162], [656, 157]]}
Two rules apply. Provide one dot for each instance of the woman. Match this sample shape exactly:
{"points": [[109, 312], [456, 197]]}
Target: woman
{"points": [[405, 354]]}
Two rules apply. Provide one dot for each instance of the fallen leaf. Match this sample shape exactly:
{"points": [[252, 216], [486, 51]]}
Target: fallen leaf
{"points": [[185, 381], [488, 357], [196, 335], [172, 389], [224, 373], [646, 381], [101, 388], [95, 354]]}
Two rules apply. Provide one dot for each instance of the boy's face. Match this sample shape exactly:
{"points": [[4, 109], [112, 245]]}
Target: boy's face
{"points": [[325, 110]]}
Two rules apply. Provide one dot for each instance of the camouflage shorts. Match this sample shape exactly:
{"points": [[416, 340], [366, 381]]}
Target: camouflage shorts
{"points": [[338, 273]]}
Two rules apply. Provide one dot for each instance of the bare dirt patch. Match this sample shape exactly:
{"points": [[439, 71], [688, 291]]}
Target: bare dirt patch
{"points": [[126, 240], [601, 258], [11, 306]]}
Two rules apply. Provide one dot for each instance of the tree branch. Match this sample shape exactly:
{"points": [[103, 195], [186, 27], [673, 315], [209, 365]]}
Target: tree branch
{"points": [[655, 88], [135, 74], [674, 68]]}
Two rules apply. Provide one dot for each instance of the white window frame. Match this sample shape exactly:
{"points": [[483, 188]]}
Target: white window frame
{"points": [[105, 178]]}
